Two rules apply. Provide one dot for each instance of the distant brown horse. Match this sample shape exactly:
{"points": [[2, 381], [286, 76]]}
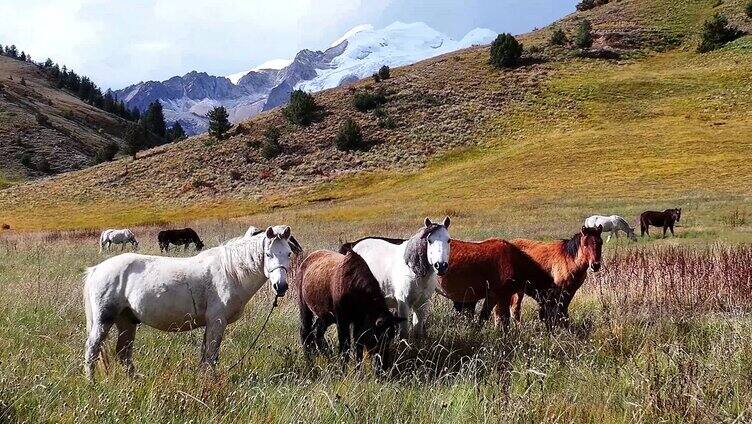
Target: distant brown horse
{"points": [[340, 289], [665, 219], [566, 262], [493, 270]]}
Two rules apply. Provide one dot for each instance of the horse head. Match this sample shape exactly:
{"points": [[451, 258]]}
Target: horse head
{"points": [[591, 246], [379, 338], [277, 254], [437, 244], [677, 214]]}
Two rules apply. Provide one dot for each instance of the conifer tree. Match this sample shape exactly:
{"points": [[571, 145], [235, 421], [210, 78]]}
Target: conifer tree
{"points": [[219, 122]]}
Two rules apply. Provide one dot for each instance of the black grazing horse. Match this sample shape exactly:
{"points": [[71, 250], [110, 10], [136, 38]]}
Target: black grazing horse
{"points": [[665, 219], [182, 237]]}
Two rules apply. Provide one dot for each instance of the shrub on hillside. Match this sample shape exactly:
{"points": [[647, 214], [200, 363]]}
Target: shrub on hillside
{"points": [[506, 51], [135, 139], [271, 147], [301, 109], [589, 4], [366, 100], [716, 32], [583, 36], [42, 119], [106, 153], [384, 72], [43, 166], [349, 136], [558, 37], [748, 9], [376, 78]]}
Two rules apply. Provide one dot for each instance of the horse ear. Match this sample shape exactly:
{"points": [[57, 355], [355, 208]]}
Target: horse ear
{"points": [[270, 232], [447, 221], [600, 229], [286, 233], [583, 230], [427, 222]]}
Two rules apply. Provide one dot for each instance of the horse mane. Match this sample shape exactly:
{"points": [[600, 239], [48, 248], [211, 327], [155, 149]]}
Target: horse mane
{"points": [[355, 269], [239, 258], [416, 255], [572, 245], [345, 247]]}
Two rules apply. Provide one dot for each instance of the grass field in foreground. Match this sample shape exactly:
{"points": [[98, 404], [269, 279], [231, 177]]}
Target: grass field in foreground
{"points": [[645, 346]]}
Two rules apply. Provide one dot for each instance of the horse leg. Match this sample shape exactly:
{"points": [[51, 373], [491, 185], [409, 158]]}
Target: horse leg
{"points": [[344, 336], [501, 313], [664, 231], [126, 329], [320, 327], [671, 227], [215, 329], [307, 324], [485, 312], [419, 320], [403, 311], [97, 334], [517, 305]]}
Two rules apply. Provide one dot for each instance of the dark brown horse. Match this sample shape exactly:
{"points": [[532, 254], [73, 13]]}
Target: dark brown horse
{"points": [[182, 237], [665, 219], [493, 270], [340, 289]]}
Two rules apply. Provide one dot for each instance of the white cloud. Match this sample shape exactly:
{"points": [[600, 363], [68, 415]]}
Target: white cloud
{"points": [[120, 42]]}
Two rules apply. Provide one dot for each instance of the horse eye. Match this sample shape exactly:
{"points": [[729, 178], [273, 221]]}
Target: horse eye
{"points": [[269, 255], [289, 254]]}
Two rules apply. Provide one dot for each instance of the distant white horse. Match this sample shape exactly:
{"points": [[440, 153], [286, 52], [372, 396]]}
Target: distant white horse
{"points": [[179, 294], [613, 224], [121, 237], [407, 269]]}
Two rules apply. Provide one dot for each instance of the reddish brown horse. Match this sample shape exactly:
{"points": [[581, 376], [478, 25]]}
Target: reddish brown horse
{"points": [[552, 272], [665, 219], [566, 262], [340, 289], [493, 270]]}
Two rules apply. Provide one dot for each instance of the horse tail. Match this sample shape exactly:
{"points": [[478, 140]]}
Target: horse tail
{"points": [[306, 315], [87, 302]]}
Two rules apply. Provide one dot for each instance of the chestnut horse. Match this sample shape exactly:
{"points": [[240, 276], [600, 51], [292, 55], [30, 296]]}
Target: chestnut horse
{"points": [[561, 263], [665, 219], [566, 262], [340, 289], [493, 270]]}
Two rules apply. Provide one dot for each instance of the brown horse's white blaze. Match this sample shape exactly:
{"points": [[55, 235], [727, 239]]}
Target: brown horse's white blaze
{"points": [[566, 262], [340, 289]]}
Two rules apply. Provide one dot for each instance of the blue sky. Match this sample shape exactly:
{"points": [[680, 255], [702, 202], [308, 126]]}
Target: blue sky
{"points": [[118, 43]]}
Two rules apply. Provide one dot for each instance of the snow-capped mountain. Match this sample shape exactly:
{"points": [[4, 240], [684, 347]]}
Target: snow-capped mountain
{"points": [[359, 53]]}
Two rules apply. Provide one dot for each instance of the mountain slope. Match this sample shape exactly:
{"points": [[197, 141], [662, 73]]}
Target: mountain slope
{"points": [[356, 55], [40, 124], [533, 146]]}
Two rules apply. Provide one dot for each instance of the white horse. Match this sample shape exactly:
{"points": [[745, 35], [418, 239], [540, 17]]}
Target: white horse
{"points": [[121, 237], [613, 224], [179, 294], [407, 269]]}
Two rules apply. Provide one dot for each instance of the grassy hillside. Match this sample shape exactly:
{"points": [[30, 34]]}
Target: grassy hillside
{"points": [[529, 149], [41, 123]]}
